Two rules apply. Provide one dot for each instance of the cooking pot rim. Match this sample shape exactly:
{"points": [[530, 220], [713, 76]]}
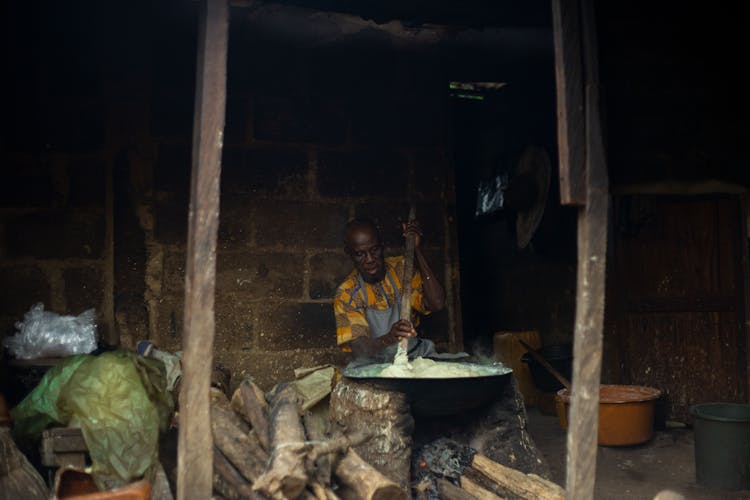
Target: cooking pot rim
{"points": [[503, 371]]}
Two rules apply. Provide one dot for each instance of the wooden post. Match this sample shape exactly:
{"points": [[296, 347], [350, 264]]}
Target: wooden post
{"points": [[569, 91], [195, 448], [585, 181], [744, 280]]}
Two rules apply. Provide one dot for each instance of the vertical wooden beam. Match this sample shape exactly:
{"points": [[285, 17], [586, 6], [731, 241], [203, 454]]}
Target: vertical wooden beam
{"points": [[108, 304], [592, 255], [195, 448], [744, 312], [569, 92]]}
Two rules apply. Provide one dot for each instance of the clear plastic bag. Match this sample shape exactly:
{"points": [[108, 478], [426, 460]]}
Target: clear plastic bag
{"points": [[491, 194], [47, 334]]}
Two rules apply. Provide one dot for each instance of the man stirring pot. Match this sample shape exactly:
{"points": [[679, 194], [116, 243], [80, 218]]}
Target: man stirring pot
{"points": [[367, 304]]}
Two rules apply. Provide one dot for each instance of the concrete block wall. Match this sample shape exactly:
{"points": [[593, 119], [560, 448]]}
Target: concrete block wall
{"points": [[53, 229], [299, 161], [94, 198]]}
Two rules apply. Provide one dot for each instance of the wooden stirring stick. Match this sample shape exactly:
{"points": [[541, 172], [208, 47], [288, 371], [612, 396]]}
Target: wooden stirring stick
{"points": [[401, 357]]}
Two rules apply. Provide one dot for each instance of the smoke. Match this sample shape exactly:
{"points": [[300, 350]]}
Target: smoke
{"points": [[482, 353]]}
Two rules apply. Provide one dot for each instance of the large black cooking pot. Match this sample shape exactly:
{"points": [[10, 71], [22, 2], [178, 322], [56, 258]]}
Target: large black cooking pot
{"points": [[440, 396]]}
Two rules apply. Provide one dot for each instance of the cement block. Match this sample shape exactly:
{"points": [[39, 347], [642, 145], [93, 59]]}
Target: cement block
{"points": [[261, 68], [172, 169], [431, 216], [130, 253], [327, 271], [301, 119], [377, 172], [131, 318], [84, 289], [389, 216], [20, 288], [56, 235], [276, 171], [27, 184], [269, 275], [267, 368], [236, 321], [298, 224], [87, 182], [172, 114], [436, 260], [235, 223], [26, 134], [74, 126], [237, 112], [171, 222], [430, 173], [232, 160], [290, 325], [169, 321], [398, 119], [173, 272]]}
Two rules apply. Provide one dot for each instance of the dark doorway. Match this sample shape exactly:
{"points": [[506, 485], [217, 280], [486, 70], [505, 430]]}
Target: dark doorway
{"points": [[504, 287]]}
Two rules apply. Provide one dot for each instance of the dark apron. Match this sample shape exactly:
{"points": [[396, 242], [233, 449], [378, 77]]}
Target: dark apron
{"points": [[380, 323]]}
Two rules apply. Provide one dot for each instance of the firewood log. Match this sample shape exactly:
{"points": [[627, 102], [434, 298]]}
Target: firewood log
{"points": [[422, 489], [18, 478], [364, 480], [321, 492], [477, 490], [249, 401], [242, 450], [227, 481], [450, 491], [516, 482], [340, 443], [286, 476], [219, 399], [316, 426], [476, 477]]}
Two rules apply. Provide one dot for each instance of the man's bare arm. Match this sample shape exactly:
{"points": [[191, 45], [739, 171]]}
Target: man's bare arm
{"points": [[366, 346]]}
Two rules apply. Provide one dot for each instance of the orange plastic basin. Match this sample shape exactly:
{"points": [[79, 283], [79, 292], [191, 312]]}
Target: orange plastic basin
{"points": [[626, 413], [77, 484]]}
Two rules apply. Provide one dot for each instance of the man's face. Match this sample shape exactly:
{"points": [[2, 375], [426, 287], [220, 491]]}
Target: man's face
{"points": [[366, 251]]}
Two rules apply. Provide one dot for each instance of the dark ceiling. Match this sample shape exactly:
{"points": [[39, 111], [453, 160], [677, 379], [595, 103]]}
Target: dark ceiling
{"points": [[464, 13]]}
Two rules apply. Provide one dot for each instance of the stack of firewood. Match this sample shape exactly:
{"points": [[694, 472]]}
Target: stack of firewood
{"points": [[264, 449], [486, 479], [450, 470]]}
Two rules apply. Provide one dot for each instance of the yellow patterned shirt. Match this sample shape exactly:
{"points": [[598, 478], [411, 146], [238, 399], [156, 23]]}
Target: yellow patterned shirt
{"points": [[349, 302]]}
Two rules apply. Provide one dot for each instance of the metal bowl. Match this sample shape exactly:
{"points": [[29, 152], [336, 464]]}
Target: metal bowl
{"points": [[440, 396]]}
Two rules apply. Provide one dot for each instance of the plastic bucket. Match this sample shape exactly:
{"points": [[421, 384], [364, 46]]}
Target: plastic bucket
{"points": [[560, 356], [722, 445]]}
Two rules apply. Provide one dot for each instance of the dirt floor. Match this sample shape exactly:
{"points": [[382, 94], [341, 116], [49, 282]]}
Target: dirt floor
{"points": [[634, 472]]}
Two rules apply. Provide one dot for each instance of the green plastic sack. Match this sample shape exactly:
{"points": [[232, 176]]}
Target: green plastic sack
{"points": [[120, 402], [39, 409]]}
